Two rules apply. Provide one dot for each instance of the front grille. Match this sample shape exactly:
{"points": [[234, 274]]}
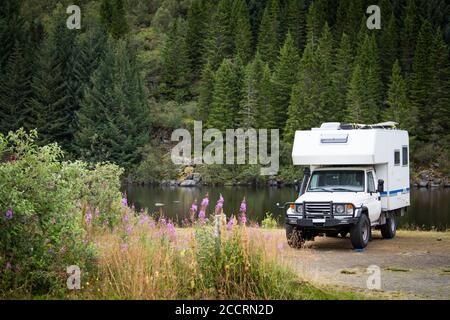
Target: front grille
{"points": [[318, 207]]}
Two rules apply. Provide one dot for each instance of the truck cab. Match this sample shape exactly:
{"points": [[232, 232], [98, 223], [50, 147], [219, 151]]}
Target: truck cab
{"points": [[343, 188]]}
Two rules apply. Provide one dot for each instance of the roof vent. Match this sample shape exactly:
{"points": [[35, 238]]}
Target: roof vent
{"points": [[330, 126]]}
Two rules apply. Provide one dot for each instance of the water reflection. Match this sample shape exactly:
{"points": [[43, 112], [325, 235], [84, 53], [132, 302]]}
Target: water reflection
{"points": [[429, 208]]}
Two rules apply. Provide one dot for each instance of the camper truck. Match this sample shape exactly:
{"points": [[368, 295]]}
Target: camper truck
{"points": [[356, 179]]}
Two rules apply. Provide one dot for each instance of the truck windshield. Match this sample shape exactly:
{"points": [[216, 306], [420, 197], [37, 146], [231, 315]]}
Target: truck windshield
{"points": [[345, 180]]}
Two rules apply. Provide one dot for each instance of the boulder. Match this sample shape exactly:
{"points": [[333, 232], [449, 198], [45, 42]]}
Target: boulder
{"points": [[188, 183], [197, 177], [423, 183]]}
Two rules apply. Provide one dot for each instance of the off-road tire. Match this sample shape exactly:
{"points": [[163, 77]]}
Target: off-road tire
{"points": [[389, 229], [294, 237], [360, 232]]}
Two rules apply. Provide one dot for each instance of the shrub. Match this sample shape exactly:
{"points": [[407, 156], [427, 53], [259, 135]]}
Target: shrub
{"points": [[269, 221], [41, 206]]}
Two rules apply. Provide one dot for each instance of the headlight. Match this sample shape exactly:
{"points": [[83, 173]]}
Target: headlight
{"points": [[343, 208], [349, 208], [299, 208], [339, 208]]}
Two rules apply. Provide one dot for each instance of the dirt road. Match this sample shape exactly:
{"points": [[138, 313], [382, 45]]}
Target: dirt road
{"points": [[414, 264]]}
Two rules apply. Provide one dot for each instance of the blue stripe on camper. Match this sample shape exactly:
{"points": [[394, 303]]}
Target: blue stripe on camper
{"points": [[393, 192]]}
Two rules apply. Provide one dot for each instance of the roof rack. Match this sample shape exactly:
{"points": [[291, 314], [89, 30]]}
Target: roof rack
{"points": [[381, 125]]}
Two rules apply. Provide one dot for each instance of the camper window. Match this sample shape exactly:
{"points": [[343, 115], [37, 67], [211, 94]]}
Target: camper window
{"points": [[370, 183], [397, 157], [405, 156]]}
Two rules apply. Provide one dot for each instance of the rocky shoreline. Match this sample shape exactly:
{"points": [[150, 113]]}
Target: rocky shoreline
{"points": [[427, 178]]}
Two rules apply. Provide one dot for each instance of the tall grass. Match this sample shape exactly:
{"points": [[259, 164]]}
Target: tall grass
{"points": [[148, 259]]}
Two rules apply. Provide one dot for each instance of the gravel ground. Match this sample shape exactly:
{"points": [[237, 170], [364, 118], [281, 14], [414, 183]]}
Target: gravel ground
{"points": [[413, 265]]}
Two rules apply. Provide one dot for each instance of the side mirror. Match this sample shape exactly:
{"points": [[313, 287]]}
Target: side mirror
{"points": [[380, 185]]}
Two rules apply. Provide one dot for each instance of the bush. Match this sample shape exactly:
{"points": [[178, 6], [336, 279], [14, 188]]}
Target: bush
{"points": [[269, 222], [42, 201]]}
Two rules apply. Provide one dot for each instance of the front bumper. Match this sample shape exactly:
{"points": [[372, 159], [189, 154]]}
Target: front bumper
{"points": [[330, 220], [320, 221]]}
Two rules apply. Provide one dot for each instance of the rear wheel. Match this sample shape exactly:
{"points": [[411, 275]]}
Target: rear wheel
{"points": [[389, 229], [360, 232], [294, 237]]}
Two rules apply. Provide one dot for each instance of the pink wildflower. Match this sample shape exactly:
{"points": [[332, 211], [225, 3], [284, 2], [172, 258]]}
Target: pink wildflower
{"points": [[9, 213]]}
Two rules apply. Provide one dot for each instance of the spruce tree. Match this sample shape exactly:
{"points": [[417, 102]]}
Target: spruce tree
{"points": [[296, 22], [12, 30], [326, 67], [388, 47], [303, 112], [227, 96], [368, 61], [15, 92], [440, 94], [268, 45], [356, 105], [283, 78], [175, 61], [255, 105], [52, 104], [243, 32], [220, 40], [399, 110], [196, 34], [113, 16], [342, 75], [409, 34], [113, 118], [421, 84], [205, 95]]}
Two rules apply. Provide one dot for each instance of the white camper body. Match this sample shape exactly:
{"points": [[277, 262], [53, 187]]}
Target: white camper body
{"points": [[358, 179], [386, 150]]}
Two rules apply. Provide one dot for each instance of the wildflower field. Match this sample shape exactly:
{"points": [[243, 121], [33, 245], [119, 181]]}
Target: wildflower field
{"points": [[56, 214]]}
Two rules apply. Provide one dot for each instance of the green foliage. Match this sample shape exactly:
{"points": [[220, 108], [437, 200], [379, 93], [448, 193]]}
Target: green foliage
{"points": [[342, 75], [196, 34], [268, 45], [15, 92], [242, 33], [283, 78], [156, 166], [53, 105], [365, 92], [269, 222], [175, 58], [41, 223], [113, 119], [400, 110], [255, 106], [220, 40], [113, 16], [227, 95]]}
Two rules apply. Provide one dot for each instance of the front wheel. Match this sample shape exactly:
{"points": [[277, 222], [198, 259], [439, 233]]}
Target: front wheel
{"points": [[360, 233], [294, 237], [389, 229]]}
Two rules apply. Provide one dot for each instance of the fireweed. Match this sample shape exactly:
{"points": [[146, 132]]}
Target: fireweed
{"points": [[160, 261]]}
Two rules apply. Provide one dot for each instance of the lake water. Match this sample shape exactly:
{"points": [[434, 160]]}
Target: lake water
{"points": [[430, 208]]}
